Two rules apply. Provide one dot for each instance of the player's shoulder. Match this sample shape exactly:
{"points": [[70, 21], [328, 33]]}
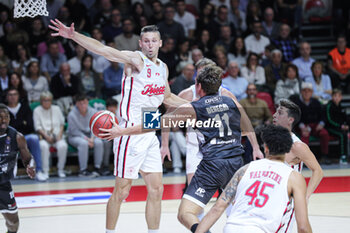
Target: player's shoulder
{"points": [[299, 147]]}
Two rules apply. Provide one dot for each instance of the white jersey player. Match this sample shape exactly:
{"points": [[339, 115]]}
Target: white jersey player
{"points": [[144, 85], [287, 115], [262, 190]]}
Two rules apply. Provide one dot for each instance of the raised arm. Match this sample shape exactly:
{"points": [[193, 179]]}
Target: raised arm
{"points": [[95, 46], [25, 155], [303, 152], [221, 204]]}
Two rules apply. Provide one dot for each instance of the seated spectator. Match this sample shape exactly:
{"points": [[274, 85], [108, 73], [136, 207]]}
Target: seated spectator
{"points": [[168, 55], [290, 11], [22, 59], [49, 123], [225, 39], [170, 27], [127, 40], [13, 36], [63, 87], [43, 47], [235, 84], [237, 52], [253, 12], [267, 58], [205, 43], [322, 86], [304, 62], [285, 43], [270, 27], [79, 136], [221, 59], [52, 60], [75, 62], [288, 85], [275, 71], [237, 17], [158, 13], [113, 27], [4, 58], [339, 65], [4, 80], [21, 118], [337, 125], [256, 109], [103, 15], [312, 119], [112, 78], [89, 79], [253, 73], [183, 55], [255, 42], [185, 18], [37, 35], [17, 83], [184, 80], [33, 82]]}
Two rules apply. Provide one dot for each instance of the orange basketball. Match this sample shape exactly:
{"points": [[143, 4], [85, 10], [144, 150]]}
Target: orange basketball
{"points": [[101, 119]]}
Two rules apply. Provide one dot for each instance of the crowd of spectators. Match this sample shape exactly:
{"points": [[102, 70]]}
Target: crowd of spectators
{"points": [[257, 43]]}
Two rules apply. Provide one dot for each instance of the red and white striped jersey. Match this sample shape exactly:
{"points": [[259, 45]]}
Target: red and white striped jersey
{"points": [[262, 196], [143, 89]]}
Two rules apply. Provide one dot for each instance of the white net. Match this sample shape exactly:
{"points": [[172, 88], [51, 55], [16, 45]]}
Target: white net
{"points": [[30, 8]]}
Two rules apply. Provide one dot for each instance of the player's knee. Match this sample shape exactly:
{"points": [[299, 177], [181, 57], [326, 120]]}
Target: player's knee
{"points": [[121, 194], [156, 192]]}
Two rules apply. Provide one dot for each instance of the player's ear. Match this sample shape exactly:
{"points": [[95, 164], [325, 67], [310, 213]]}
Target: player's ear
{"points": [[160, 43], [266, 150], [291, 120]]}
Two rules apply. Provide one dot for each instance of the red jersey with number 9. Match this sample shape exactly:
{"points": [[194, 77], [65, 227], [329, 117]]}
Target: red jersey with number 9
{"points": [[262, 197]]}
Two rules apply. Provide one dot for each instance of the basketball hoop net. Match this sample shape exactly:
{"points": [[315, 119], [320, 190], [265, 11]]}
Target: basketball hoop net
{"points": [[30, 8]]}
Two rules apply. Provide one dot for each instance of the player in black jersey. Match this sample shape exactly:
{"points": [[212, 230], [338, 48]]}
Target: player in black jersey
{"points": [[11, 143]]}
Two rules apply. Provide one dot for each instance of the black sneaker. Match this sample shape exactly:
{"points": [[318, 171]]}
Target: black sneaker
{"points": [[96, 172], [85, 173], [105, 172]]}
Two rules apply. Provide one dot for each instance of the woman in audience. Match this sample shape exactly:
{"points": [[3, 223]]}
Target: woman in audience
{"points": [[3, 57], [91, 83], [183, 55], [321, 83], [290, 85], [49, 123], [238, 52], [22, 59], [17, 83], [206, 16], [34, 83], [205, 43], [253, 72]]}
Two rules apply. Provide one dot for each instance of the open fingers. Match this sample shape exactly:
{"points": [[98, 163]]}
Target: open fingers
{"points": [[105, 130], [113, 122]]}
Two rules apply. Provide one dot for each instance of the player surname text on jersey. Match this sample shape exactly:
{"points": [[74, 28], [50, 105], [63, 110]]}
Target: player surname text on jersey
{"points": [[210, 123], [217, 108], [269, 174]]}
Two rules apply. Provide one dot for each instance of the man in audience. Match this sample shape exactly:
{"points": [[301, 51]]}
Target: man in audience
{"points": [[235, 84], [312, 120], [4, 80], [256, 109], [112, 78], [170, 27], [127, 40], [339, 65], [220, 19], [114, 27], [226, 38], [80, 136], [270, 27], [184, 80], [237, 17], [168, 55], [185, 18], [52, 60], [256, 42], [275, 71], [21, 118], [285, 43], [75, 62], [304, 62]]}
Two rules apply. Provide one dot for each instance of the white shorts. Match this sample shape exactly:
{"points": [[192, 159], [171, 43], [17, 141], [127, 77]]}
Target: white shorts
{"points": [[192, 158], [232, 228], [135, 153]]}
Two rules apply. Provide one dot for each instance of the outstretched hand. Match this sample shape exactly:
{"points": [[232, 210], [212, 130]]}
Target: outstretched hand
{"points": [[61, 29], [164, 152], [110, 134]]}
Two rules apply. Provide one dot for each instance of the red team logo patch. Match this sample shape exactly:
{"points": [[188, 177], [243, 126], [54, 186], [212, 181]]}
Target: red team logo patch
{"points": [[149, 90]]}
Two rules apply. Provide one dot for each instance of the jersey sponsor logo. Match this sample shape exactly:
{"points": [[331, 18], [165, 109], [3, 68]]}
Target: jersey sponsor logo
{"points": [[200, 192], [149, 90]]}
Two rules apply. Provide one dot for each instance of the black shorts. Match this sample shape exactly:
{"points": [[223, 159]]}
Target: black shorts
{"points": [[211, 176], [7, 199]]}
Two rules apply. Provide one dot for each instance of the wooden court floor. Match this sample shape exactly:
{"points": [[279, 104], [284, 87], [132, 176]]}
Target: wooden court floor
{"points": [[329, 210]]}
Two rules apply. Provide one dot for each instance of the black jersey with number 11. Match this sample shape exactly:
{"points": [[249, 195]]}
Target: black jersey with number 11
{"points": [[8, 154], [223, 140]]}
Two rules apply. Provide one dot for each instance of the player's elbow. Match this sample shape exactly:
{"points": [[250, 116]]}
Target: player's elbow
{"points": [[304, 228]]}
